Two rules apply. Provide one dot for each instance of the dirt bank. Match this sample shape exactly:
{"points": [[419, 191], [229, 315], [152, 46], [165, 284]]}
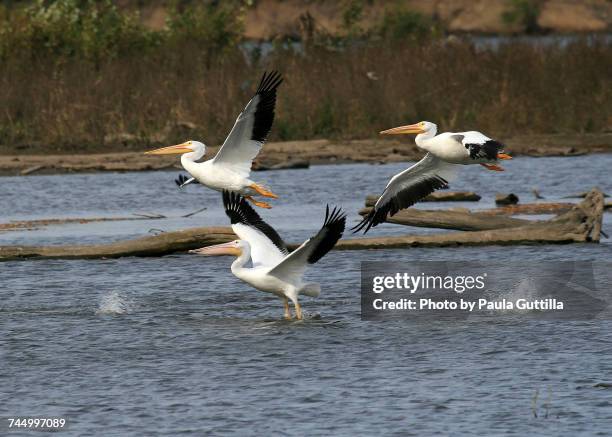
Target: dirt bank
{"points": [[268, 19], [274, 153]]}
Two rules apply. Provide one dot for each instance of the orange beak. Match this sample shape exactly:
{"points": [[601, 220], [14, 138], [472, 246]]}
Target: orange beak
{"points": [[408, 129], [218, 249], [171, 150]]}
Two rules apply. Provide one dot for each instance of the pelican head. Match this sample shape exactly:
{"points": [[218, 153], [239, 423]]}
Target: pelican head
{"points": [[187, 147], [234, 248], [422, 127]]}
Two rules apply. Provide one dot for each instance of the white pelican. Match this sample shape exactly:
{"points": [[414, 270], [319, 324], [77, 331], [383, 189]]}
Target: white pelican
{"points": [[231, 167], [444, 153], [274, 269]]}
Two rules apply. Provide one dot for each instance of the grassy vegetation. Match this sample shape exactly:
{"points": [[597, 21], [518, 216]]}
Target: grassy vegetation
{"points": [[524, 12], [80, 73]]}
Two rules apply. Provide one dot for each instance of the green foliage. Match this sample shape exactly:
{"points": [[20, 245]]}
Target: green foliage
{"points": [[98, 31], [286, 131], [351, 16], [524, 12], [215, 28], [85, 28], [82, 71], [399, 24], [324, 120]]}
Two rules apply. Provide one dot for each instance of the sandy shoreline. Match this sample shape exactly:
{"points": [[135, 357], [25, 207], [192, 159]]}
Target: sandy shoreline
{"points": [[279, 153]]}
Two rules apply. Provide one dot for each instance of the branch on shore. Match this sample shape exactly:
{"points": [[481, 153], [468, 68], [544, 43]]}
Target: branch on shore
{"points": [[581, 224], [449, 219], [531, 208], [276, 155]]}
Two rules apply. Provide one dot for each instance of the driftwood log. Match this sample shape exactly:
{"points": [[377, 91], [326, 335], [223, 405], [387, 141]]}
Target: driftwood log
{"points": [[530, 208], [582, 195], [581, 224], [438, 196], [154, 245], [449, 219]]}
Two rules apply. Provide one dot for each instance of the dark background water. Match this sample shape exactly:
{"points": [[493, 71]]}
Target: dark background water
{"points": [[177, 345]]}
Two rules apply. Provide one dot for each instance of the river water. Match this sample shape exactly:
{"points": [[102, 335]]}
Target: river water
{"points": [[178, 346]]}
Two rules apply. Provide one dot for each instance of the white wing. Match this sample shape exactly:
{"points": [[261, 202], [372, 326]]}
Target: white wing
{"points": [[408, 187], [263, 251], [473, 137], [312, 250], [251, 128], [480, 146], [267, 247]]}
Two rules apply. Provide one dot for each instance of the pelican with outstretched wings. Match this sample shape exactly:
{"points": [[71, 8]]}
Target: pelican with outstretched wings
{"points": [[230, 169], [274, 269], [445, 152]]}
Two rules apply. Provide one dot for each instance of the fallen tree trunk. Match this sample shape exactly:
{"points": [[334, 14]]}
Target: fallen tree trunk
{"points": [[438, 196], [448, 219], [154, 245], [530, 208], [582, 195], [581, 224]]}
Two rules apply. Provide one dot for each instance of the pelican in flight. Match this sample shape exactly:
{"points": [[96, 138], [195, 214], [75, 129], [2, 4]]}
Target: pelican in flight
{"points": [[444, 153], [230, 169], [274, 269]]}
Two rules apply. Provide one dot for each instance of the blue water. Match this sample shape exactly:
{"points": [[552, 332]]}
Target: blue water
{"points": [[178, 346], [254, 50]]}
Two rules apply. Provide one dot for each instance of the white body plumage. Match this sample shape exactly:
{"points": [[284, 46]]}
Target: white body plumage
{"points": [[274, 269], [219, 177], [259, 277], [230, 169], [444, 153], [455, 147]]}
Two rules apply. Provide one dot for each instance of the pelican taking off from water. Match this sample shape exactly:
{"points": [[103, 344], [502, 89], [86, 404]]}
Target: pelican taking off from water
{"points": [[444, 153], [274, 269], [231, 167]]}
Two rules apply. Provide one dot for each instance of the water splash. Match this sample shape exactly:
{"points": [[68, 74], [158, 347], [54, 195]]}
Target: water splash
{"points": [[114, 303]]}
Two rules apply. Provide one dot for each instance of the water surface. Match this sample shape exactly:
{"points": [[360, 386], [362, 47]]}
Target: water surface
{"points": [[178, 346]]}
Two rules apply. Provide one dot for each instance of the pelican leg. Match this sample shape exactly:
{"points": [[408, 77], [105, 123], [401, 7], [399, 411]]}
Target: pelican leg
{"points": [[262, 191], [258, 203], [493, 167], [287, 309], [298, 310]]}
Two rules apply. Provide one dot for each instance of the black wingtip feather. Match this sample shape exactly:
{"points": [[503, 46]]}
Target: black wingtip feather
{"points": [[403, 199], [269, 81], [239, 211], [333, 227], [367, 222], [264, 114]]}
